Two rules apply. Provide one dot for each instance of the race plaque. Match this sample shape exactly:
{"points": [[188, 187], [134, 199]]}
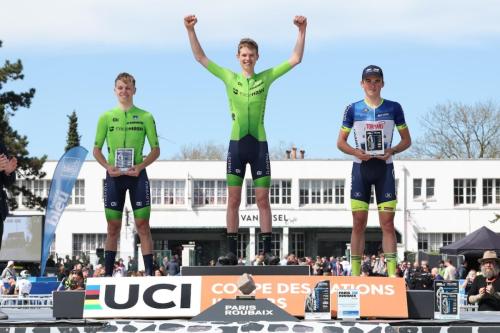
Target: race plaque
{"points": [[124, 158], [374, 142]]}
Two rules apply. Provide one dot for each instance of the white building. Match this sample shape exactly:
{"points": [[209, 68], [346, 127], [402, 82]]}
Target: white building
{"points": [[439, 202]]}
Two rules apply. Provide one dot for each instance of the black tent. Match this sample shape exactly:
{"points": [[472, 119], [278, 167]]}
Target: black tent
{"points": [[480, 240]]}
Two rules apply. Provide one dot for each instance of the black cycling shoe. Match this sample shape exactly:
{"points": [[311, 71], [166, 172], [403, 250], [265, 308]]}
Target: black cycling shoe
{"points": [[228, 260], [271, 260]]}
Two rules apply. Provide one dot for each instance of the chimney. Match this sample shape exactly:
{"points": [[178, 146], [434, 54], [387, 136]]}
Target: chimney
{"points": [[302, 153], [294, 153], [288, 154]]}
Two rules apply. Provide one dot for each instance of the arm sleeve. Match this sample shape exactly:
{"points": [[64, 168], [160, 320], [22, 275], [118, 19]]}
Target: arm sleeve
{"points": [[399, 117], [151, 131], [348, 120], [102, 129], [276, 72], [222, 73], [473, 291]]}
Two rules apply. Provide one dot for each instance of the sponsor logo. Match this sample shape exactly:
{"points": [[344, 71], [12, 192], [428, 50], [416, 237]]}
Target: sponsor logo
{"points": [[111, 128], [114, 204], [246, 310], [233, 116], [388, 195], [237, 171], [135, 128], [115, 120], [135, 117], [366, 110], [385, 114], [235, 91], [138, 203], [375, 126], [357, 194], [70, 167], [259, 173], [240, 84], [57, 205]]}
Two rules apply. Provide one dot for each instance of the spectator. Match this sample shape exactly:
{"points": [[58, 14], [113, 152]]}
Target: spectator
{"points": [[380, 268], [9, 271], [12, 286], [158, 273], [435, 274], [173, 267], [462, 271], [118, 270], [450, 272], [469, 279], [77, 281], [441, 268], [485, 289], [131, 265], [23, 286]]}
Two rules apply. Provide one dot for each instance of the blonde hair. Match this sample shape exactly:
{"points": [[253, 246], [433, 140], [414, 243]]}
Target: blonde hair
{"points": [[248, 42], [125, 77]]}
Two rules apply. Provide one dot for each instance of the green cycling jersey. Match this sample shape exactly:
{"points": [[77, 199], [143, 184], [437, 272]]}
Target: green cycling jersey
{"points": [[126, 129], [247, 98]]}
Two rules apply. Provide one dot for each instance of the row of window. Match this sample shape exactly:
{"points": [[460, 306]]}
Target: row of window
{"points": [[427, 242], [311, 191]]}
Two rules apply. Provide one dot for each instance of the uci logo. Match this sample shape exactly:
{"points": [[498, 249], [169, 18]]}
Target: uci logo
{"points": [[388, 195], [148, 296]]}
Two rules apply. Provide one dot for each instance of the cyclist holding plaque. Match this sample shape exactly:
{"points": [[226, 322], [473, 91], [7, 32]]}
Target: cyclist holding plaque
{"points": [[373, 120], [125, 129]]}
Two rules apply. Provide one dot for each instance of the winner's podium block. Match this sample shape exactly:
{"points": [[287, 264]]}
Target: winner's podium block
{"points": [[245, 307]]}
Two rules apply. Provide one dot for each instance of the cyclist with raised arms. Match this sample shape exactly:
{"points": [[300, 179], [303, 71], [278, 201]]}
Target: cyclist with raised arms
{"points": [[125, 128], [373, 120], [247, 92]]}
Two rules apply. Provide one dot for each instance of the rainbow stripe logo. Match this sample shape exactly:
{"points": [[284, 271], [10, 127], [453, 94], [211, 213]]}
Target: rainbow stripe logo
{"points": [[92, 293]]}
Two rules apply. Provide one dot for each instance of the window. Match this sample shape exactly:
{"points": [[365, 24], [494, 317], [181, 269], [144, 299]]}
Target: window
{"points": [[432, 242], [275, 244], [321, 191], [168, 192], [491, 191], [250, 193], [78, 196], [39, 187], [298, 244], [243, 240], [209, 192], [464, 191], [280, 192], [429, 188], [417, 188], [87, 243]]}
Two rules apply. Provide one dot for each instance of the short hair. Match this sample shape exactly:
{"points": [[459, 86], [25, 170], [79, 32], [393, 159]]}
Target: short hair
{"points": [[248, 42], [125, 77]]}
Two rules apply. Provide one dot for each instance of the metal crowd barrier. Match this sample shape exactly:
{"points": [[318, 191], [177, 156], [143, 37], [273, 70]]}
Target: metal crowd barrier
{"points": [[28, 302]]}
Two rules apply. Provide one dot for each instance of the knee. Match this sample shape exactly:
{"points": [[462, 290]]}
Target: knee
{"points": [[114, 229], [387, 226], [142, 226], [358, 227], [262, 201], [233, 202]]}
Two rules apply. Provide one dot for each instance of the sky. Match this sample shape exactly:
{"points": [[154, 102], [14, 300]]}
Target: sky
{"points": [[432, 52]]}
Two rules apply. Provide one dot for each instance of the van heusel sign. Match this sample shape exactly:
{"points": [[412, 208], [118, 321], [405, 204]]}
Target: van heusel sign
{"points": [[172, 296]]}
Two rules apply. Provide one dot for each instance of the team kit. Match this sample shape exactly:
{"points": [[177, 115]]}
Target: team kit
{"points": [[372, 121]]}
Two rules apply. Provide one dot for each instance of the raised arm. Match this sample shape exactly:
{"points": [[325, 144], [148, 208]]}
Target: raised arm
{"points": [[190, 21], [298, 50]]}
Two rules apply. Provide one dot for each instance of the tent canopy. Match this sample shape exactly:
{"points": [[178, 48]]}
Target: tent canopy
{"points": [[480, 240]]}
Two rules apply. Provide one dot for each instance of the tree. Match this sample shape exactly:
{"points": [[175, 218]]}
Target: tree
{"points": [[29, 168], [73, 138], [202, 151], [457, 130]]}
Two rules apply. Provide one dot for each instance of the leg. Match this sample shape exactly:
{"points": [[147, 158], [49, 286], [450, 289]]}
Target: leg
{"points": [[233, 208], [114, 200], [386, 200], [262, 199], [139, 198], [360, 198]]}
